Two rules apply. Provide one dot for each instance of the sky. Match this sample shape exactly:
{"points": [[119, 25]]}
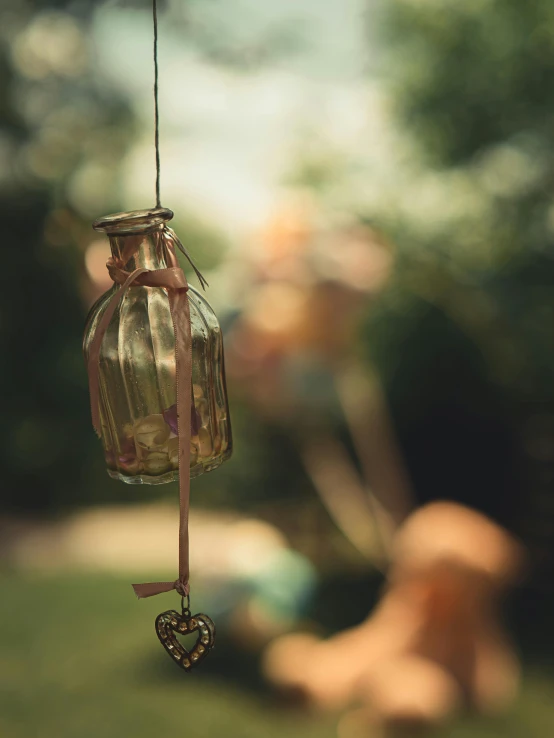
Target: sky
{"points": [[229, 136]]}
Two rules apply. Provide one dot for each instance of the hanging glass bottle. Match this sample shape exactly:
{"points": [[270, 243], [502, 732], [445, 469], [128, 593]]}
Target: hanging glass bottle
{"points": [[136, 365]]}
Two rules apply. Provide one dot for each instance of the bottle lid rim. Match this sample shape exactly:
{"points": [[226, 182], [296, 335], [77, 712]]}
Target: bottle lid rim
{"points": [[133, 222]]}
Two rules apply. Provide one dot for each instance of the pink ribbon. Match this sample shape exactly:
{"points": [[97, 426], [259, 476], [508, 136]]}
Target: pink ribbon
{"points": [[174, 281]]}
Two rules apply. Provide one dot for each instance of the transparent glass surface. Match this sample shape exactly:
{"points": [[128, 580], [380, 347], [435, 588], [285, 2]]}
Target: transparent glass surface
{"points": [[137, 367]]}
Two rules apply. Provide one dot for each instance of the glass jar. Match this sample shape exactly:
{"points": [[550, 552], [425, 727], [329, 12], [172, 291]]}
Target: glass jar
{"points": [[137, 365]]}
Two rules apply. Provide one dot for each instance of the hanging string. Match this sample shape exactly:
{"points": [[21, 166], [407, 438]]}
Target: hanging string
{"points": [[156, 110], [201, 279]]}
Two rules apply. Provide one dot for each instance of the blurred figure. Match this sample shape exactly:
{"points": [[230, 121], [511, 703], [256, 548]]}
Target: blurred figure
{"points": [[312, 282], [433, 644], [293, 354]]}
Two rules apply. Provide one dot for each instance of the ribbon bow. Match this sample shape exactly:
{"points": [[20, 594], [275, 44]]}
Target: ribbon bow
{"points": [[174, 281]]}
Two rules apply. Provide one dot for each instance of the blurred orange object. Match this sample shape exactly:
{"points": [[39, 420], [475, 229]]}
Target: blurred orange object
{"points": [[435, 640], [287, 233], [412, 694]]}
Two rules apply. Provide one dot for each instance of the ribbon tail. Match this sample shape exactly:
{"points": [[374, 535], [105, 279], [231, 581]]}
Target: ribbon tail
{"points": [[94, 358], [150, 589], [180, 314], [94, 351]]}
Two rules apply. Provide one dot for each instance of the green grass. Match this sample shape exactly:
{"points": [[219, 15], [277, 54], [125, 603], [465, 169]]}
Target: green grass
{"points": [[79, 659]]}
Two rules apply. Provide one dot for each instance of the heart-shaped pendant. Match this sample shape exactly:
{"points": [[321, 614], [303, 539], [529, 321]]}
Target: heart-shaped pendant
{"points": [[170, 623]]}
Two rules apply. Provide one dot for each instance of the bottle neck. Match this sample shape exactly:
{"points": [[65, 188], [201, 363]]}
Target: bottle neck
{"points": [[142, 250]]}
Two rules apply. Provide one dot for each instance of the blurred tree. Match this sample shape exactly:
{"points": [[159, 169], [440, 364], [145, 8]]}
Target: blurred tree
{"points": [[471, 82], [463, 335], [49, 105], [472, 75]]}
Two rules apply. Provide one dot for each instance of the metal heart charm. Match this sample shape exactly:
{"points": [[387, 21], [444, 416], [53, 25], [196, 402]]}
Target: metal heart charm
{"points": [[171, 623]]}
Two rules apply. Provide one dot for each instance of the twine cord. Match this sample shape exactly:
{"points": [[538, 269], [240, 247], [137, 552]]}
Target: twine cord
{"points": [[156, 104]]}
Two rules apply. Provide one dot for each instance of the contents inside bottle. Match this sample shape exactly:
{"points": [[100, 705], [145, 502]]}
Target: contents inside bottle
{"points": [[150, 445]]}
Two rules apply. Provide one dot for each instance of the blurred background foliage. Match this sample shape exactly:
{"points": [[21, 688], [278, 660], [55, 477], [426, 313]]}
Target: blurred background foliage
{"points": [[360, 180], [474, 229]]}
